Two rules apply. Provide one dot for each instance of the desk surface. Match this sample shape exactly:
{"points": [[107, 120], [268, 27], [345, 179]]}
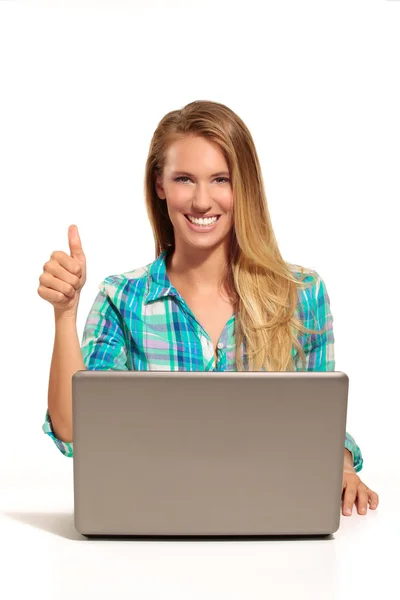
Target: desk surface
{"points": [[43, 553]]}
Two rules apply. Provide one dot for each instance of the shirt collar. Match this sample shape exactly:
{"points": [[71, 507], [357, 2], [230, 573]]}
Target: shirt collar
{"points": [[158, 283]]}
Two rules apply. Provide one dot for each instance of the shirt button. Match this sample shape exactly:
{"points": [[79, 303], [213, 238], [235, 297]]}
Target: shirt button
{"points": [[220, 345]]}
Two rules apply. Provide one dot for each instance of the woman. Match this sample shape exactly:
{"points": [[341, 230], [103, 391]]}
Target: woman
{"points": [[218, 296]]}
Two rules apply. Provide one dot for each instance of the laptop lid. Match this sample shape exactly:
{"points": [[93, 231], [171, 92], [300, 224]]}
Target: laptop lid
{"points": [[208, 453]]}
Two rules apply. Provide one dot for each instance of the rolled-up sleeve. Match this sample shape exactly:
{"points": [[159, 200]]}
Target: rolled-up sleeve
{"points": [[319, 351], [103, 346], [351, 445], [65, 448]]}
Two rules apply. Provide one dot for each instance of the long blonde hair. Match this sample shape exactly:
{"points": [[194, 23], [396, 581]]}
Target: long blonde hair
{"points": [[264, 289]]}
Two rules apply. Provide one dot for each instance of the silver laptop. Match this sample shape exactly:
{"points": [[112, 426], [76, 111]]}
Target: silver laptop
{"points": [[208, 453]]}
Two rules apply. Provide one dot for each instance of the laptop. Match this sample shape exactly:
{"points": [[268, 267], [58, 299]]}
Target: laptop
{"points": [[208, 453]]}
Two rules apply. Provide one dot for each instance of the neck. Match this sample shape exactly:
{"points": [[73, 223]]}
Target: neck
{"points": [[200, 271]]}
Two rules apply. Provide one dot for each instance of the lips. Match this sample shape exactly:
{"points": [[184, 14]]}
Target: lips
{"points": [[208, 217]]}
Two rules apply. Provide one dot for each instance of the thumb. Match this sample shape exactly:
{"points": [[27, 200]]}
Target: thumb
{"points": [[74, 241]]}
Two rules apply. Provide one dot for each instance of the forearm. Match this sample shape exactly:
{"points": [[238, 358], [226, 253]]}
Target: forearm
{"points": [[348, 459], [66, 360]]}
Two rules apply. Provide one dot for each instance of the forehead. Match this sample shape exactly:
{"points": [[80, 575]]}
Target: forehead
{"points": [[195, 154]]}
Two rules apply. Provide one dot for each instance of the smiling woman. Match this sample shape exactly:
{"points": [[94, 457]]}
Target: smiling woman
{"points": [[207, 207], [219, 295]]}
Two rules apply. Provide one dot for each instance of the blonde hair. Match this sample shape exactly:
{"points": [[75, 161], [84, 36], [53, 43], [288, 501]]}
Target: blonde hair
{"points": [[264, 290]]}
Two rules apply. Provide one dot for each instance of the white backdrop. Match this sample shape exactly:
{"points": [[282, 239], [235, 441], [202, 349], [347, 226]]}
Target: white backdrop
{"points": [[82, 88]]}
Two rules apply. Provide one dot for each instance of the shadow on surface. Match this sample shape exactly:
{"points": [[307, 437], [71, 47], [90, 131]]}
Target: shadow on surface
{"points": [[62, 524]]}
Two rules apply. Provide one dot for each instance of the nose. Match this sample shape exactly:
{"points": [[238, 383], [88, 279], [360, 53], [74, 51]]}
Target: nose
{"points": [[202, 201]]}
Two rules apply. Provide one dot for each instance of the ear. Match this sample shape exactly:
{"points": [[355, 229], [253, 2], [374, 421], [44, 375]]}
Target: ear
{"points": [[159, 188]]}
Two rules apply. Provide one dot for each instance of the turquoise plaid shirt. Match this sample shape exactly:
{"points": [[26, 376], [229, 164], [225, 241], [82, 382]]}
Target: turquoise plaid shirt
{"points": [[139, 321]]}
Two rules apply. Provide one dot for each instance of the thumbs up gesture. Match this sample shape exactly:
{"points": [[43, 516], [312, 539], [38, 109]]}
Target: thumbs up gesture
{"points": [[64, 275]]}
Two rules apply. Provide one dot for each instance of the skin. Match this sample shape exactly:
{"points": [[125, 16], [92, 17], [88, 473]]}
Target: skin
{"points": [[200, 258], [354, 490]]}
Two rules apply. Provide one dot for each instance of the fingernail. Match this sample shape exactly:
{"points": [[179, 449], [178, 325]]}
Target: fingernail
{"points": [[363, 510], [347, 511]]}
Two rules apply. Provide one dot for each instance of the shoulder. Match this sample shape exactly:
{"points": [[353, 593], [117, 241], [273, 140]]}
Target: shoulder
{"points": [[120, 286], [305, 275], [315, 293], [313, 299]]}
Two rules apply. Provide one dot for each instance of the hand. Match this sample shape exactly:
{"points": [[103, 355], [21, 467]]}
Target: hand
{"points": [[64, 276], [355, 489]]}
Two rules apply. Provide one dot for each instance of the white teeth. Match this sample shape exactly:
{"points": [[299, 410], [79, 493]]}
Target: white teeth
{"points": [[202, 221]]}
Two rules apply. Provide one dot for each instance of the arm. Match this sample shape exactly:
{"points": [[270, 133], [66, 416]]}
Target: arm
{"points": [[321, 356], [348, 458], [103, 348], [354, 457], [66, 360], [104, 345]]}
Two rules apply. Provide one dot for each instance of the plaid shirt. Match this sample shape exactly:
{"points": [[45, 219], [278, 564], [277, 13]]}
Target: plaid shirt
{"points": [[139, 321]]}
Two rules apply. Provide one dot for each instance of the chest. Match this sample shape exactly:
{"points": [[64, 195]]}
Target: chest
{"points": [[212, 314]]}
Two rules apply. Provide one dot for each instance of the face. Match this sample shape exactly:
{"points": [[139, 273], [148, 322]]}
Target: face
{"points": [[196, 182]]}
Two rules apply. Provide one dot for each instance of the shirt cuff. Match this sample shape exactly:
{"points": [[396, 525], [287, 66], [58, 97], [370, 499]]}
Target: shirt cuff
{"points": [[351, 445], [66, 448]]}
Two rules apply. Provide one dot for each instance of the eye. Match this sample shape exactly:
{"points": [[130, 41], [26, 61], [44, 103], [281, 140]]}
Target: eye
{"points": [[218, 178]]}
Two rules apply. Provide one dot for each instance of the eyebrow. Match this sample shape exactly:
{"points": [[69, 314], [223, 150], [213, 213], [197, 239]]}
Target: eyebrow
{"points": [[221, 173]]}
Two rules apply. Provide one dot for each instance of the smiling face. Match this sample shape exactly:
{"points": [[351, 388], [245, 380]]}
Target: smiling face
{"points": [[196, 182]]}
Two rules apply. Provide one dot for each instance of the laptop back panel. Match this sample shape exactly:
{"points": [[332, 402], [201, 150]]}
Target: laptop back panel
{"points": [[208, 453]]}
